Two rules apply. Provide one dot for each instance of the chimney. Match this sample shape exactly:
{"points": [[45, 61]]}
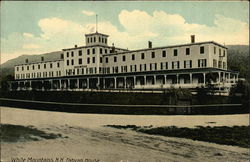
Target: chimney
{"points": [[76, 46], [192, 38], [149, 44], [113, 48], [42, 58], [26, 61]]}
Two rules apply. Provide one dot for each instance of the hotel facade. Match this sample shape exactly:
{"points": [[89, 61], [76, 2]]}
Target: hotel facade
{"points": [[98, 66]]}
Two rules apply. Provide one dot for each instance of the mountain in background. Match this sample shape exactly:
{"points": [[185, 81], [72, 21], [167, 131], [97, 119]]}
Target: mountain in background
{"points": [[7, 68], [238, 60]]}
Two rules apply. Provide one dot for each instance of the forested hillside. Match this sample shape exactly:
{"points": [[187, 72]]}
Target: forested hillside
{"points": [[238, 59]]}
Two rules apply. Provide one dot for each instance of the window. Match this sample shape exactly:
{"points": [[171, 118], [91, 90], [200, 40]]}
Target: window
{"points": [[142, 56], [72, 62], [115, 59], [164, 65], [106, 51], [164, 54], [93, 60], [44, 66], [175, 52], [22, 68], [133, 57], [51, 65], [67, 62], [28, 67], [187, 51], [152, 54], [107, 60], [214, 63], [72, 54], [33, 67], [220, 64], [94, 39], [38, 66], [224, 53], [100, 59], [61, 56], [58, 64], [188, 64], [80, 53], [214, 50], [202, 63], [79, 61], [175, 65], [123, 58], [67, 54], [100, 50], [88, 60], [155, 66], [219, 52], [202, 50], [93, 51], [145, 67], [99, 39], [88, 51]]}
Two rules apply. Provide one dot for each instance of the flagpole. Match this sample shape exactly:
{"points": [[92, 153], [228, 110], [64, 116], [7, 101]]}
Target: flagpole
{"points": [[96, 23]]}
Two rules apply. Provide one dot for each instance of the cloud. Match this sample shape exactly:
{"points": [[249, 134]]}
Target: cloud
{"points": [[31, 46], [138, 27], [28, 35], [88, 13]]}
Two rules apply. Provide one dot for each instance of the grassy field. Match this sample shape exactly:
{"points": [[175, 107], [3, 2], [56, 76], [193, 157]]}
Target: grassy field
{"points": [[17, 133], [236, 135]]}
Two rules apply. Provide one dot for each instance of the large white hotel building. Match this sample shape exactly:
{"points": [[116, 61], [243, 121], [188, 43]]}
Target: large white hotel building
{"points": [[100, 66]]}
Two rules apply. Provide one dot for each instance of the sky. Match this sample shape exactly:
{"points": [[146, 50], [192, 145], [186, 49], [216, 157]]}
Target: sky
{"points": [[46, 26]]}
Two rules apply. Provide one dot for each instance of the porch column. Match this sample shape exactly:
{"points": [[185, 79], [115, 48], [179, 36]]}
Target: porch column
{"points": [[78, 83], [42, 85], [10, 86], [204, 77], [115, 82], [87, 83], [154, 79], [68, 83], [237, 77], [224, 77], [134, 80], [104, 83], [177, 78], [191, 78], [145, 80], [98, 82], [219, 77], [125, 82], [165, 79], [60, 83], [51, 84]]}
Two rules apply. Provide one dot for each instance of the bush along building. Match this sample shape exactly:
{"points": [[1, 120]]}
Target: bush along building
{"points": [[102, 67]]}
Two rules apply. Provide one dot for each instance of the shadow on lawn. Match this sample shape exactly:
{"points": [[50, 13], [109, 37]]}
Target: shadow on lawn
{"points": [[17, 133], [236, 135]]}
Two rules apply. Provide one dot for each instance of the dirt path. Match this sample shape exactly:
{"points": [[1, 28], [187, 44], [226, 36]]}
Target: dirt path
{"points": [[108, 144], [91, 143]]}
